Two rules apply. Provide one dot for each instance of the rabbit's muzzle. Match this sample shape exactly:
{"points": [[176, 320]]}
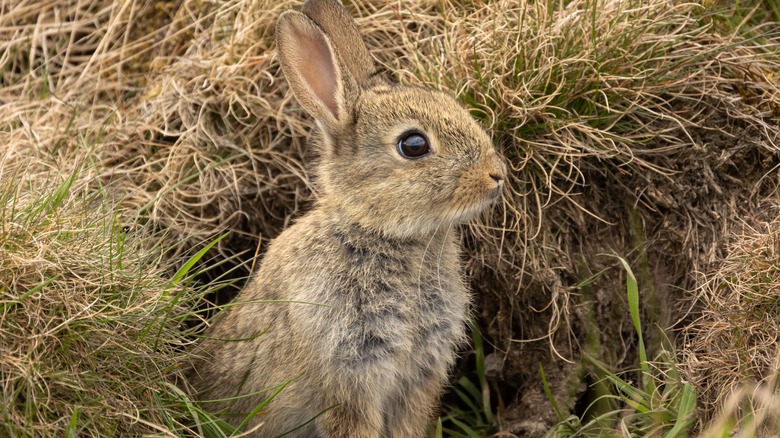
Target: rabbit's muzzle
{"points": [[496, 171], [479, 186]]}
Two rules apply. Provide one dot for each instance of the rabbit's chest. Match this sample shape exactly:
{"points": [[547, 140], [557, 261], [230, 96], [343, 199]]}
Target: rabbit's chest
{"points": [[400, 307]]}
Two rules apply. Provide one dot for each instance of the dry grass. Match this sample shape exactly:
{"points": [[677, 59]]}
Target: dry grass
{"points": [[733, 346], [90, 321], [632, 127], [752, 410]]}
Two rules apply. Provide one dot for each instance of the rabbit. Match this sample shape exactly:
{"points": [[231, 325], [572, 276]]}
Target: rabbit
{"points": [[364, 303]]}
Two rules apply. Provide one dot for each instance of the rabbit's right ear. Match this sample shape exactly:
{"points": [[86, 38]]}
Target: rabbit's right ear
{"points": [[311, 68]]}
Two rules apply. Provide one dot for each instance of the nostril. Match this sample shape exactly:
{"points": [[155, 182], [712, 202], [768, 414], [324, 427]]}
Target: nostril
{"points": [[497, 169]]}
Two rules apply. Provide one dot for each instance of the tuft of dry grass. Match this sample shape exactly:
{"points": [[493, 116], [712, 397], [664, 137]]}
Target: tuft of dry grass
{"points": [[733, 345], [751, 410], [91, 323], [632, 127]]}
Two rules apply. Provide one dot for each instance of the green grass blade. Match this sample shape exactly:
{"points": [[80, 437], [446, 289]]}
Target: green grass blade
{"points": [[685, 413], [467, 429], [177, 278], [632, 290], [206, 429], [437, 431], [10, 304], [637, 398], [186, 267], [70, 431], [62, 191], [467, 399], [309, 421], [550, 394], [480, 365], [261, 406]]}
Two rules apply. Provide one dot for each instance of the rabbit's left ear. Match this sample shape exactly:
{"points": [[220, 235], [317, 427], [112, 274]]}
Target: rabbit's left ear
{"points": [[311, 68], [344, 35]]}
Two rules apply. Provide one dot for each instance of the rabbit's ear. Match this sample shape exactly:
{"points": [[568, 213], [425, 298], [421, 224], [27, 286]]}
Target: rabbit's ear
{"points": [[344, 35], [311, 68]]}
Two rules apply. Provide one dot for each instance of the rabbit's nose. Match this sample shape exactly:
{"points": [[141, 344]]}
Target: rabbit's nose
{"points": [[498, 169]]}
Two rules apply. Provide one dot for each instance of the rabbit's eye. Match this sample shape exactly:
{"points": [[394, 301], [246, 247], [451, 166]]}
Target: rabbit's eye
{"points": [[413, 145]]}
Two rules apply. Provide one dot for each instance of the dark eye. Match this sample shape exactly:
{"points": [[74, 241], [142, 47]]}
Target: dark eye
{"points": [[413, 145]]}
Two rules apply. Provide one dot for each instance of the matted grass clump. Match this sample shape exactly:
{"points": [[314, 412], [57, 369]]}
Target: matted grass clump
{"points": [[732, 354], [637, 128], [91, 327]]}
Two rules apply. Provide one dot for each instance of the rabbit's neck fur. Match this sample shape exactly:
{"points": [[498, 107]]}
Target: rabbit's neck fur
{"points": [[401, 231], [373, 254], [366, 237]]}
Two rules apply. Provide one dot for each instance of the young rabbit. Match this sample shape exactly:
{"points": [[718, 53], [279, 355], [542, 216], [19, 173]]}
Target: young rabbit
{"points": [[373, 302]]}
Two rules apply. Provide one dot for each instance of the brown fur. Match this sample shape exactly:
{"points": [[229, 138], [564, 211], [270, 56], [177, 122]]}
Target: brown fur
{"points": [[373, 304]]}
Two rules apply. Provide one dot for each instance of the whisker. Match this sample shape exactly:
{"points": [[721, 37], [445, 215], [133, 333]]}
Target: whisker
{"points": [[422, 260], [441, 251]]}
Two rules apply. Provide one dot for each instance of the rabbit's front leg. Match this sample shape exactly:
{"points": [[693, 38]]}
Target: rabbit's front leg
{"points": [[410, 410], [358, 371], [354, 406], [350, 420]]}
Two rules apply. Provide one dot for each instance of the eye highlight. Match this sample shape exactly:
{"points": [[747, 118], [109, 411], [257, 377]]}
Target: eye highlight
{"points": [[413, 145]]}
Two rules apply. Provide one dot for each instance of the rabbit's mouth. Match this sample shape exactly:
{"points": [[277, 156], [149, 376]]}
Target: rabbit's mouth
{"points": [[492, 196], [474, 209], [495, 193]]}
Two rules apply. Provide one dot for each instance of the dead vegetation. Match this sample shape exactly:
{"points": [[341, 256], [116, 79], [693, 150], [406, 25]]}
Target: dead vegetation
{"points": [[90, 319], [732, 346], [637, 128]]}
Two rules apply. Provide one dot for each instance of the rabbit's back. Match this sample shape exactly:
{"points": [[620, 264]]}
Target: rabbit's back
{"points": [[362, 318]]}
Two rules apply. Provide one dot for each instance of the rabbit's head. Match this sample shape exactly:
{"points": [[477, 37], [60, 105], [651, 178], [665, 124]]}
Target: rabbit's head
{"points": [[402, 161]]}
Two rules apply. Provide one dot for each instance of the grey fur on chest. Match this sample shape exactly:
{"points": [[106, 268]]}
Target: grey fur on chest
{"points": [[396, 301]]}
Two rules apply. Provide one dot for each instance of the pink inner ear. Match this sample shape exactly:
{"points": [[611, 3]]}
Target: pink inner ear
{"points": [[317, 69]]}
